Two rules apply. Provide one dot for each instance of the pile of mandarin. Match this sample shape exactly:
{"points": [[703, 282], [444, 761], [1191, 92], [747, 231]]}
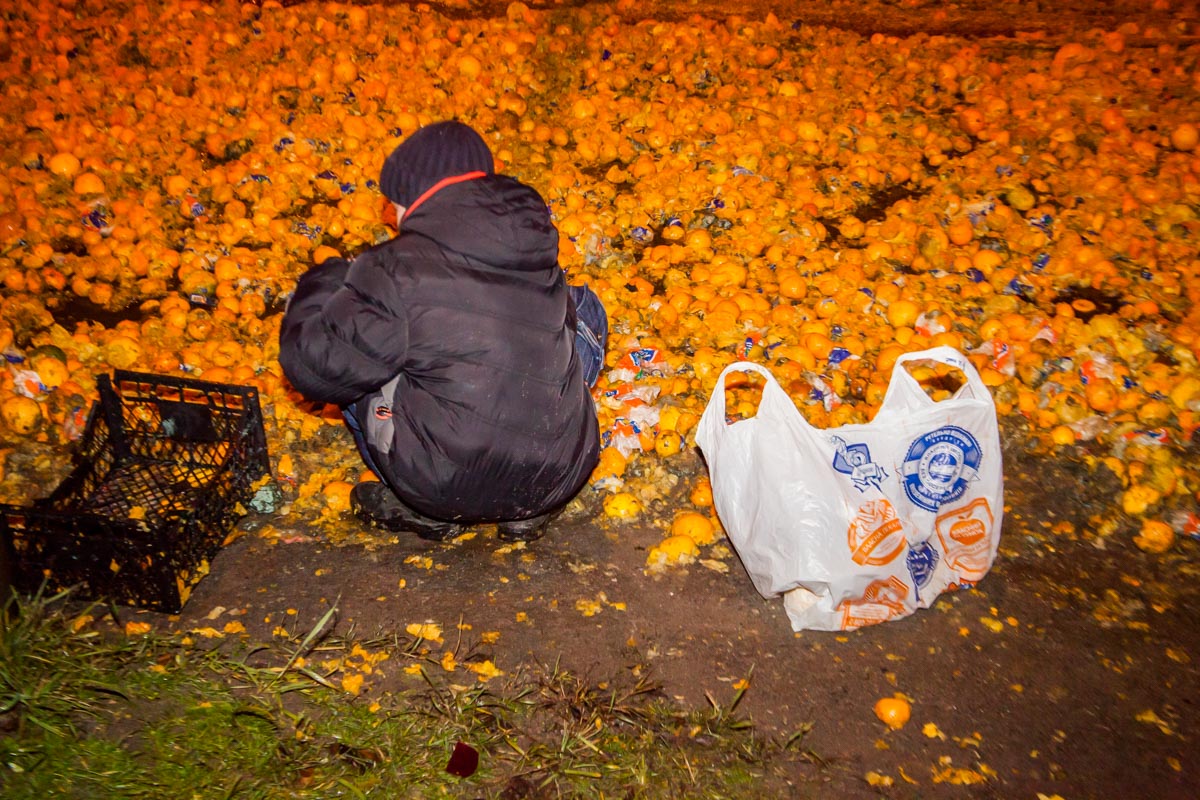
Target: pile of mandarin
{"points": [[734, 188]]}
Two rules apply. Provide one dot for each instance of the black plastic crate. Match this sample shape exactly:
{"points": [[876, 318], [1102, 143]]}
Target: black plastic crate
{"points": [[161, 475]]}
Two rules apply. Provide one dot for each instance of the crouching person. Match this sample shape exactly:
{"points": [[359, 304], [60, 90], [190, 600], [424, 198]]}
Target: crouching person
{"points": [[460, 356]]}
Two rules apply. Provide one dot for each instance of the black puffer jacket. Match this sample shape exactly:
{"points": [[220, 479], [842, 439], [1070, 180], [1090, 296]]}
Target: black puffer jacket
{"points": [[462, 330]]}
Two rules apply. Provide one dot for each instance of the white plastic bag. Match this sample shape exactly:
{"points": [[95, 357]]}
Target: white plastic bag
{"points": [[863, 523]]}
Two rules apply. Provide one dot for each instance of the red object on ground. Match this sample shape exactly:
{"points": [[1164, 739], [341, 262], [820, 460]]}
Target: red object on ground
{"points": [[463, 761]]}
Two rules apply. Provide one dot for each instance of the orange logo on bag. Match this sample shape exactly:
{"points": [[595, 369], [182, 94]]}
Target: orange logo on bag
{"points": [[876, 534], [882, 600], [968, 532], [965, 534]]}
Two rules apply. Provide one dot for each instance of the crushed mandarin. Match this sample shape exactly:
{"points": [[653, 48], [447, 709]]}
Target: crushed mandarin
{"points": [[622, 505], [672, 551], [337, 495]]}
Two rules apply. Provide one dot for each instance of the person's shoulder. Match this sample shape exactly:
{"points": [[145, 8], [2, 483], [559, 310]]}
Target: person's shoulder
{"points": [[381, 253], [511, 193], [376, 252], [509, 185]]}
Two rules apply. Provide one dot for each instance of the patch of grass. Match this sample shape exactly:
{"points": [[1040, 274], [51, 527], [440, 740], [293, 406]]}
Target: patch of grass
{"points": [[88, 711]]}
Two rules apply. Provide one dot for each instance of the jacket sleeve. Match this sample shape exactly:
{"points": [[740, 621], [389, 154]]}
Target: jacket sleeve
{"points": [[342, 336]]}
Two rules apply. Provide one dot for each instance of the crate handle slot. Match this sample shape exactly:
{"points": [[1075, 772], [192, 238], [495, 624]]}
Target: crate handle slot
{"points": [[111, 406]]}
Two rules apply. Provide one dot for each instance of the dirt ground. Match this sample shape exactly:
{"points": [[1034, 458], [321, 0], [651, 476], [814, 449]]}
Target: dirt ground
{"points": [[1071, 670]]}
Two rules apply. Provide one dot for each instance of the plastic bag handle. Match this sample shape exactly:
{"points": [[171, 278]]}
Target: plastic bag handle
{"points": [[716, 402], [943, 354]]}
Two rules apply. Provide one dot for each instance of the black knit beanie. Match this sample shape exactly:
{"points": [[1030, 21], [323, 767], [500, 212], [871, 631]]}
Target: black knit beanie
{"points": [[437, 151]]}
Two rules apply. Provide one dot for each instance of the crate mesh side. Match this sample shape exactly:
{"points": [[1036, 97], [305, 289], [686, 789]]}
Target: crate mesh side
{"points": [[147, 505]]}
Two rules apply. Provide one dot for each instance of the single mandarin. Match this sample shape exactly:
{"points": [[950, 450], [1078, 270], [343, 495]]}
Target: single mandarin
{"points": [[902, 313], [1155, 536], [1063, 435], [65, 165], [893, 711], [961, 231], [622, 505], [337, 495], [22, 415], [673, 550], [696, 526], [88, 183], [702, 494], [667, 443], [1185, 137], [612, 464]]}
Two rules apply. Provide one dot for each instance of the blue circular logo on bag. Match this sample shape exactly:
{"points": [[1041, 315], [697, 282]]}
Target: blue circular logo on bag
{"points": [[939, 465]]}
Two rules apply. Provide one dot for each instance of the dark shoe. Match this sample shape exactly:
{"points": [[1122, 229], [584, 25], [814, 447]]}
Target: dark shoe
{"points": [[526, 530], [375, 503]]}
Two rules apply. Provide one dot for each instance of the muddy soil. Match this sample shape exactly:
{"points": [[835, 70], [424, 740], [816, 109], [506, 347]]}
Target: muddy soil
{"points": [[1071, 670]]}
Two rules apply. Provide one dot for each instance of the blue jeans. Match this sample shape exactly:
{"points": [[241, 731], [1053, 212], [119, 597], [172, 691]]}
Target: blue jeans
{"points": [[360, 440], [591, 335], [591, 331]]}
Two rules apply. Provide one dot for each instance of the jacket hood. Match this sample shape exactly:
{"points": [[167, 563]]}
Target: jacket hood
{"points": [[494, 219]]}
